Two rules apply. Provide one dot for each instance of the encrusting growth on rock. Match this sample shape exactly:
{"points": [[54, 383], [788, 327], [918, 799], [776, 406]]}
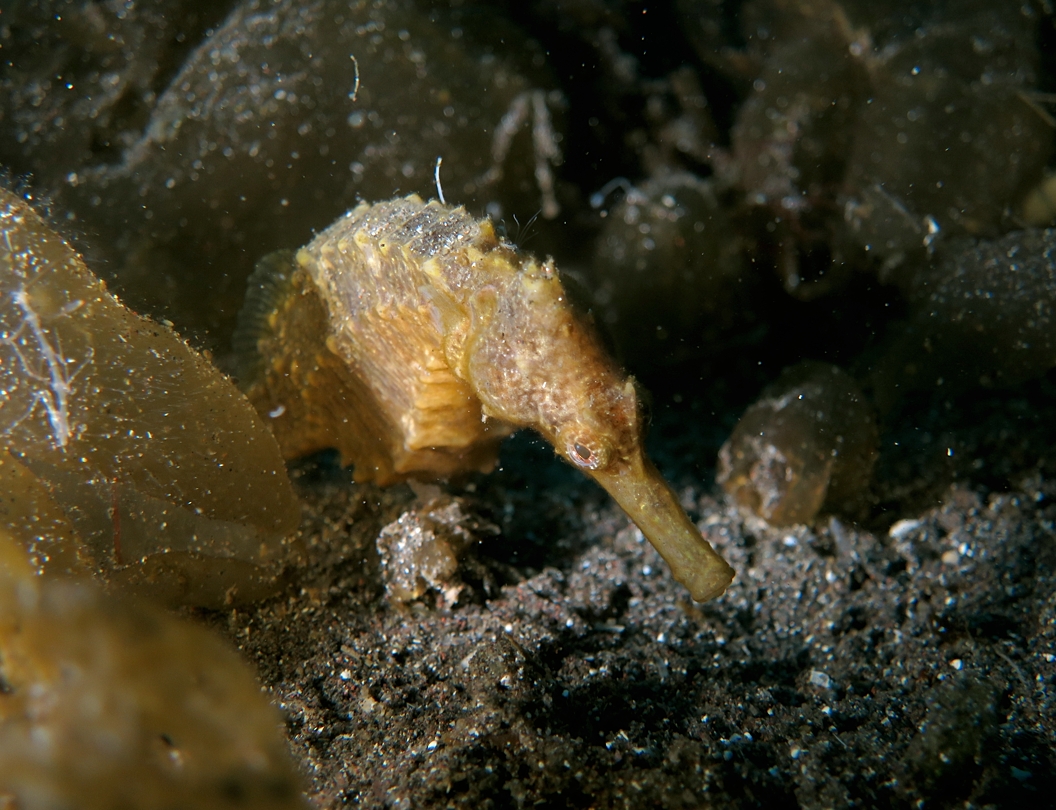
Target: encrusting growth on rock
{"points": [[409, 337]]}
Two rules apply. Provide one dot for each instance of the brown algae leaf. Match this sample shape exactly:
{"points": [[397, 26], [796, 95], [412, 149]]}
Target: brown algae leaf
{"points": [[284, 115], [983, 313], [809, 443], [412, 339], [107, 703], [951, 137], [157, 463], [32, 516], [792, 136], [668, 270]]}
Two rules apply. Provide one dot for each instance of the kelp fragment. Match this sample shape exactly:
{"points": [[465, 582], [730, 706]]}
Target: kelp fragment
{"points": [[809, 443], [107, 703], [410, 338], [118, 434]]}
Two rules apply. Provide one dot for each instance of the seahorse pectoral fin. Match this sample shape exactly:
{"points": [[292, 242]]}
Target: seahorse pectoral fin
{"points": [[641, 491]]}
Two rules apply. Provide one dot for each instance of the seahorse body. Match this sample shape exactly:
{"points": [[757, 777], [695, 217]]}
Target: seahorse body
{"points": [[411, 338]]}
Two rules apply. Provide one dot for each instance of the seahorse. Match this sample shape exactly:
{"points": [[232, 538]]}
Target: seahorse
{"points": [[412, 339]]}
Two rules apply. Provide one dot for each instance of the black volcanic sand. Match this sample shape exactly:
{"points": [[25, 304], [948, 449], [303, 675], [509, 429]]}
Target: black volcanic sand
{"points": [[885, 664]]}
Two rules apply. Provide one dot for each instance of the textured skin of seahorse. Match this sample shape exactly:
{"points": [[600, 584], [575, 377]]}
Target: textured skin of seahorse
{"points": [[413, 340]]}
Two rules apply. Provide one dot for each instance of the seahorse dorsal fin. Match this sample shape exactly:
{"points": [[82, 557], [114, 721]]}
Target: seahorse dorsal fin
{"points": [[268, 286]]}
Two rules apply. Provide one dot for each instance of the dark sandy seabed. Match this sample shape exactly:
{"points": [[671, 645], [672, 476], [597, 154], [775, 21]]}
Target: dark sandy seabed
{"points": [[903, 658], [848, 665]]}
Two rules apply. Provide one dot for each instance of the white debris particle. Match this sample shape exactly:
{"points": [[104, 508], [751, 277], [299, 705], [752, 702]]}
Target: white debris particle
{"points": [[820, 679], [902, 528]]}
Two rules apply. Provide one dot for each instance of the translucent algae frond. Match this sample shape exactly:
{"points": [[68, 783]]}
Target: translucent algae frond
{"points": [[150, 463]]}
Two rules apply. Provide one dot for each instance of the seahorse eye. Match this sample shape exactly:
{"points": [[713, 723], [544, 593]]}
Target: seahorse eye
{"points": [[588, 454]]}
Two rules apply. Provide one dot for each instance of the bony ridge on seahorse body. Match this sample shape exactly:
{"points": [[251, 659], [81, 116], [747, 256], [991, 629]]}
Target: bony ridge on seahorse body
{"points": [[412, 339]]}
